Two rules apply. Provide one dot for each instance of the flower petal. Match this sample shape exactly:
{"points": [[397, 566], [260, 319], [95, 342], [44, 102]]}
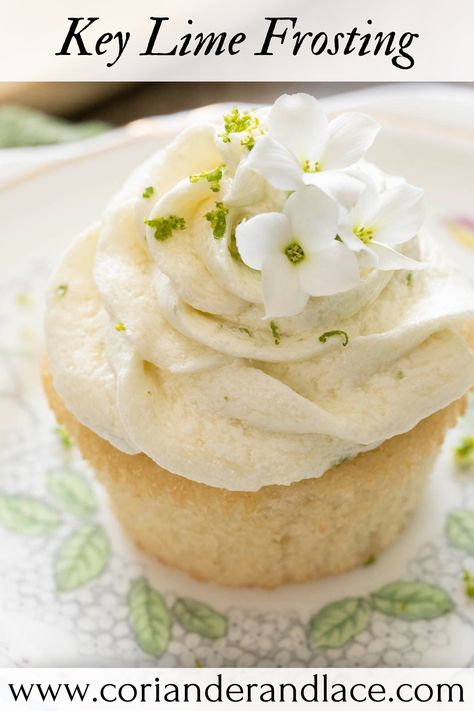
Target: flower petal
{"points": [[362, 214], [346, 233], [275, 163], [350, 136], [247, 188], [331, 271], [261, 236], [388, 259], [313, 217], [298, 122], [282, 291], [400, 215], [342, 187]]}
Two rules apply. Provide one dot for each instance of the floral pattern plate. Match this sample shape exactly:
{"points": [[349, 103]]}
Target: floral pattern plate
{"points": [[75, 591]]}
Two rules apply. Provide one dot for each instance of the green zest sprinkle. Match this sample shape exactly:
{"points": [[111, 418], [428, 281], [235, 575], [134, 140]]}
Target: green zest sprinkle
{"points": [[370, 560], [148, 192], [329, 334], [400, 375], [275, 332], [468, 579], [226, 397], [409, 278], [245, 330], [64, 436], [62, 289], [164, 226], [294, 252], [464, 452], [235, 122], [365, 234], [232, 247], [248, 142], [120, 326], [213, 177], [217, 219]]}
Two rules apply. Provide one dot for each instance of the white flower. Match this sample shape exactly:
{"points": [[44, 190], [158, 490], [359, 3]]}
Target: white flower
{"points": [[381, 220], [302, 146], [297, 252]]}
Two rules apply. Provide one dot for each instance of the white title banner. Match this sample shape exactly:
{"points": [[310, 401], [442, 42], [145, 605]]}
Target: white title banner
{"points": [[48, 689], [269, 40]]}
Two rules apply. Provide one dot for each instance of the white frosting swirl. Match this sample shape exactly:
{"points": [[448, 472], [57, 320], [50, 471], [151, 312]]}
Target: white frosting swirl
{"points": [[195, 379]]}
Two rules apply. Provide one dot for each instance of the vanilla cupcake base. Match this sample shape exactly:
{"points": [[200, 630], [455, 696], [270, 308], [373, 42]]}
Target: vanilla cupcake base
{"points": [[310, 529]]}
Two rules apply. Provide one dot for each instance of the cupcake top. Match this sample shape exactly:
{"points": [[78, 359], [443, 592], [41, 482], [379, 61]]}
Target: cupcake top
{"points": [[258, 303]]}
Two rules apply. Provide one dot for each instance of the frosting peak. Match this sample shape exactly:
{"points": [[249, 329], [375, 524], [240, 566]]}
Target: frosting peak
{"points": [[268, 329]]}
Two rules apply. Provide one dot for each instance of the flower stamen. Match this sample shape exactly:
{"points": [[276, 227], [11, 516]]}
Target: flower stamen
{"points": [[365, 234], [308, 168], [294, 252]]}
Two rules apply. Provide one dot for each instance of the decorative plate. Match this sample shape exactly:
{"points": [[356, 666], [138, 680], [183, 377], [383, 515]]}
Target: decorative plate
{"points": [[75, 592]]}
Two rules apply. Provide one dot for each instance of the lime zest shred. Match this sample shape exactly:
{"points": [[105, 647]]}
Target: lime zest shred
{"points": [[275, 329], [213, 177], [232, 247], [243, 329], [236, 122], [468, 580], [148, 192], [217, 218], [329, 334], [165, 226], [64, 437], [248, 141], [120, 326], [61, 289], [464, 452]]}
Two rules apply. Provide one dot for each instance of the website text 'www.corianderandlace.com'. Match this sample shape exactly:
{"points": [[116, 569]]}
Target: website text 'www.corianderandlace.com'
{"points": [[226, 690]]}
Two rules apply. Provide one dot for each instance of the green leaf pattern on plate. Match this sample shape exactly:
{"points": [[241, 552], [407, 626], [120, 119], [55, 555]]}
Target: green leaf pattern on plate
{"points": [[460, 530], [198, 617], [412, 600], [150, 618], [82, 557], [72, 491], [27, 515], [339, 622]]}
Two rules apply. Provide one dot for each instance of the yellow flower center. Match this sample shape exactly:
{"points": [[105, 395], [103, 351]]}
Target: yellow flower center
{"points": [[294, 252], [365, 234], [309, 167]]}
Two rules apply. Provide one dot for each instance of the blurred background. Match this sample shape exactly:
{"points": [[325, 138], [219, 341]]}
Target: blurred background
{"points": [[57, 112], [119, 102], [82, 109]]}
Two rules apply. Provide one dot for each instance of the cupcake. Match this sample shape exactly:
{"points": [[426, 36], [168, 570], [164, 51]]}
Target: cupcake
{"points": [[259, 350]]}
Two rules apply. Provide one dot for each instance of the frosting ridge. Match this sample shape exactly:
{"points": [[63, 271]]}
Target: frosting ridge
{"points": [[198, 376]]}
